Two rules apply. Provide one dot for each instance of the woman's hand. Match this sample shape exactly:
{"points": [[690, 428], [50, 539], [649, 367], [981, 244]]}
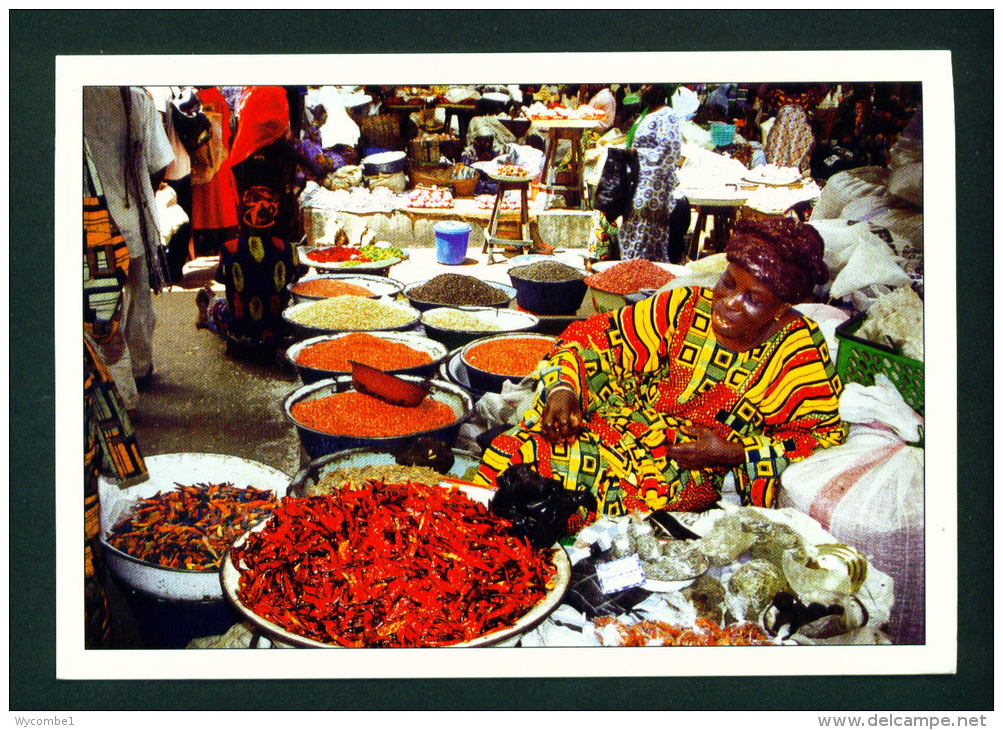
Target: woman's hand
{"points": [[706, 449], [562, 416]]}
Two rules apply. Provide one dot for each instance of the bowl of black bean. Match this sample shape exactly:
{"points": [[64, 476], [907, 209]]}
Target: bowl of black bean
{"points": [[457, 290], [548, 287]]}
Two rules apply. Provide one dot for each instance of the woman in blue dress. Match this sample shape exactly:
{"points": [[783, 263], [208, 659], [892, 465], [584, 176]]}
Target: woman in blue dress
{"points": [[658, 141]]}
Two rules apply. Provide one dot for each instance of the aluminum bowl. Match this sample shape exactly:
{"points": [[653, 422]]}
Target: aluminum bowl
{"points": [[484, 379], [166, 472], [464, 466], [304, 330], [317, 443], [421, 306], [379, 286], [436, 350], [506, 320]]}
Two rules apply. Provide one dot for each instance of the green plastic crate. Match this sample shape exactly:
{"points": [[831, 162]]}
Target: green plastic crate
{"points": [[860, 360]]}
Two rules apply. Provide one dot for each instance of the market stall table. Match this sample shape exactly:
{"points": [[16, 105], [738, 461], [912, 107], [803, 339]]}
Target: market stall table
{"points": [[569, 129]]}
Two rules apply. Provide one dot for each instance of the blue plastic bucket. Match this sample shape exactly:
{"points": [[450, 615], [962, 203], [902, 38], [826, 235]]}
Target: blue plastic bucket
{"points": [[451, 240]]}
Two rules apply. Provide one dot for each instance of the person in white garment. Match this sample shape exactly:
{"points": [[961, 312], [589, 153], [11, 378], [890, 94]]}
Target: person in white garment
{"points": [[125, 139]]}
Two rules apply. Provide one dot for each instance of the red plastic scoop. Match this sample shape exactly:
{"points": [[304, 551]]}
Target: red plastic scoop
{"points": [[388, 388]]}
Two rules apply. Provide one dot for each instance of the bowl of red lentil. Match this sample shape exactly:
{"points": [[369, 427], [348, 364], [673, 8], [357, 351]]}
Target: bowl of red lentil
{"points": [[400, 353], [490, 361], [614, 280], [455, 326], [189, 507], [549, 287], [458, 290], [330, 416], [325, 286], [349, 313]]}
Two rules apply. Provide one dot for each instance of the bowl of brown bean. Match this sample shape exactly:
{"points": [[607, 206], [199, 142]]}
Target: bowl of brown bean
{"points": [[458, 290]]}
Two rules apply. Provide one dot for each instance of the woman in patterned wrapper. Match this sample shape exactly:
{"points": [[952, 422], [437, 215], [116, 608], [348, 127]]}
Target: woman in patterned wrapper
{"points": [[255, 268], [652, 406], [657, 207]]}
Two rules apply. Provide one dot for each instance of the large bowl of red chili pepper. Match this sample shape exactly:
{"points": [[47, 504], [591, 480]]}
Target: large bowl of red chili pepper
{"points": [[392, 565], [322, 286], [330, 416], [182, 515], [400, 353], [490, 361]]}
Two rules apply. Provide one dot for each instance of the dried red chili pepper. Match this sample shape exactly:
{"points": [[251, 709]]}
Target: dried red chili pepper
{"points": [[382, 565], [191, 527]]}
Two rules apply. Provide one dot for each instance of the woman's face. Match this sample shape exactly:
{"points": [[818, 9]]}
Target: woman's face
{"points": [[744, 310]]}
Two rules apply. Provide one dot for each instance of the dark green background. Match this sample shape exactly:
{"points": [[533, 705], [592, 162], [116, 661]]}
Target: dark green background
{"points": [[38, 36]]}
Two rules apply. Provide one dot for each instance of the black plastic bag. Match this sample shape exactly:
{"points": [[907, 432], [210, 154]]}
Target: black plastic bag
{"points": [[537, 507], [615, 190]]}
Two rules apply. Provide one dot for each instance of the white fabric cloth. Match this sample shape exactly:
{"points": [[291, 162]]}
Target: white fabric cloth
{"points": [[181, 167], [129, 353], [104, 129]]}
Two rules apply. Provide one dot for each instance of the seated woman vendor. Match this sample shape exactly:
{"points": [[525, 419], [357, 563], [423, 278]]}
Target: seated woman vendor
{"points": [[255, 269], [652, 406]]}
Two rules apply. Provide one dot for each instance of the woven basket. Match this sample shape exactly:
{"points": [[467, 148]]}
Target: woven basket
{"points": [[382, 130], [429, 151], [444, 177]]}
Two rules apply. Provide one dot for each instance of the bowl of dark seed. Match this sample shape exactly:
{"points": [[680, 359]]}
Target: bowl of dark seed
{"points": [[549, 287], [457, 290]]}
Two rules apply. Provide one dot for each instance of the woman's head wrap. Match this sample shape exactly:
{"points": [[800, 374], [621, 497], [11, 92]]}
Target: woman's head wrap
{"points": [[784, 254], [260, 207], [262, 118]]}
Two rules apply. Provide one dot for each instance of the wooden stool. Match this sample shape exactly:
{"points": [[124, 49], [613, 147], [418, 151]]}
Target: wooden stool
{"points": [[491, 237], [576, 188], [724, 222]]}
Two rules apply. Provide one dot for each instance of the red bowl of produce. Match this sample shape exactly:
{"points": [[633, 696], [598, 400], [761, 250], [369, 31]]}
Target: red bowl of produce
{"points": [[498, 586], [400, 353], [490, 361], [330, 416]]}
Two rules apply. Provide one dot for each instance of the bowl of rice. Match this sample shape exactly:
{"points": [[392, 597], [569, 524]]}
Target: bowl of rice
{"points": [[357, 466], [455, 327], [325, 286], [349, 313], [399, 353]]}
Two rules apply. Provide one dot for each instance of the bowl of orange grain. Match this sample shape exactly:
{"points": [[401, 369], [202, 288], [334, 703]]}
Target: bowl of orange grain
{"points": [[324, 286], [399, 353], [490, 361]]}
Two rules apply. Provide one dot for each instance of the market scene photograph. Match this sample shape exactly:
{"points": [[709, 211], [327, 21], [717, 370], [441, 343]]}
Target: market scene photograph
{"points": [[616, 363]]}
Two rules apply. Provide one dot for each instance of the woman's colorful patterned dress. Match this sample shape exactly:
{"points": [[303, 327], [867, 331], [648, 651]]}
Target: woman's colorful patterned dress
{"points": [[645, 229], [648, 369]]}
